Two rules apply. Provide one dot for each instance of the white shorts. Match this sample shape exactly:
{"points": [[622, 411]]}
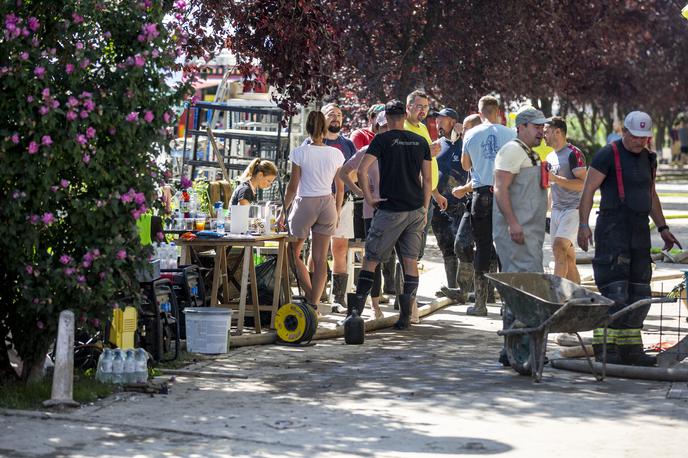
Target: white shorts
{"points": [[345, 229], [565, 224]]}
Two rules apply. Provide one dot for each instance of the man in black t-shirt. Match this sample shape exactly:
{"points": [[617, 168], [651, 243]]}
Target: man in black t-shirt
{"points": [[405, 186], [624, 172]]}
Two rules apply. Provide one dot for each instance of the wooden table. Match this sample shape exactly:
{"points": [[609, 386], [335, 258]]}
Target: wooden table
{"points": [[221, 276]]}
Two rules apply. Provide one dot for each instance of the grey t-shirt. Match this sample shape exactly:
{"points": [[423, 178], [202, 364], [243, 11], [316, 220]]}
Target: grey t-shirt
{"points": [[563, 163]]}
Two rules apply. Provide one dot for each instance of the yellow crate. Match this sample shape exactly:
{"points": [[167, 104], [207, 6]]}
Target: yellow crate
{"points": [[123, 327]]}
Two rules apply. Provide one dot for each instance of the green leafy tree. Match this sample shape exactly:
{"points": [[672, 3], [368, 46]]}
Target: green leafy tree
{"points": [[85, 101]]}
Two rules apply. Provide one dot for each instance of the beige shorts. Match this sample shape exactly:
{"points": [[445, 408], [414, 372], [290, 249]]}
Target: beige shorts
{"points": [[345, 230], [317, 214], [565, 224]]}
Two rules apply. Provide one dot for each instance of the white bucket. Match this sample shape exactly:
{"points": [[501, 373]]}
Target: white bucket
{"points": [[207, 329], [238, 223]]}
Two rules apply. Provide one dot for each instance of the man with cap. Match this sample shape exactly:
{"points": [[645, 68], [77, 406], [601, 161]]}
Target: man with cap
{"points": [[362, 137], [521, 201], [624, 172], [348, 174], [480, 146], [405, 185], [566, 177], [445, 223]]}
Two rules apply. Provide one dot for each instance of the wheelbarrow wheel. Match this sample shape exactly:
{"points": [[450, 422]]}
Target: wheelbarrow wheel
{"points": [[518, 353]]}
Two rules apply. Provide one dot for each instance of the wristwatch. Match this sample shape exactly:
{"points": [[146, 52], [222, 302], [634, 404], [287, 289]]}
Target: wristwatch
{"points": [[660, 229]]}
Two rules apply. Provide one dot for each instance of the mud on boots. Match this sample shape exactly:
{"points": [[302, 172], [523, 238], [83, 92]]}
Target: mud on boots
{"points": [[339, 282], [405, 302], [481, 287]]}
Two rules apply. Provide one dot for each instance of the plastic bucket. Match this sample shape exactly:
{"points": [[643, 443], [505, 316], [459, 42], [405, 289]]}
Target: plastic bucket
{"points": [[207, 329]]}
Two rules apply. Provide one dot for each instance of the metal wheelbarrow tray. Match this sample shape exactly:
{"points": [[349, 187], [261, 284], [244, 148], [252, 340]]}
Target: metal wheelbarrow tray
{"points": [[543, 303]]}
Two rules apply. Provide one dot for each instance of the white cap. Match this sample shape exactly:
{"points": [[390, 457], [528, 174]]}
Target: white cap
{"points": [[381, 119], [638, 124]]}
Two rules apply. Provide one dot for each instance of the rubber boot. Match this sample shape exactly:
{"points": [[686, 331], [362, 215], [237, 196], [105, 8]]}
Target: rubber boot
{"points": [[339, 282], [629, 343], [464, 280], [405, 304], [494, 268], [480, 306], [598, 346], [355, 302], [451, 267]]}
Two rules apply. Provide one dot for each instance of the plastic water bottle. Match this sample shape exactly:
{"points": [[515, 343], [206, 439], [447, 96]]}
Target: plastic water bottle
{"points": [[141, 366], [173, 256], [130, 367], [104, 371], [220, 217], [118, 368]]}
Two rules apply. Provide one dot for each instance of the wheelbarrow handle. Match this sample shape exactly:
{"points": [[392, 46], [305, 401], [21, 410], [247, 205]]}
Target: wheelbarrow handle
{"points": [[637, 304]]}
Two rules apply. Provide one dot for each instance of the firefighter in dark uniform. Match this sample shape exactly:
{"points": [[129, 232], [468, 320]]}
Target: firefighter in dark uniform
{"points": [[446, 223], [624, 171]]}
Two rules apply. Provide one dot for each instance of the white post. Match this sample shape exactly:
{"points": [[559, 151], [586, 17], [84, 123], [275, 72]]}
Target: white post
{"points": [[63, 376]]}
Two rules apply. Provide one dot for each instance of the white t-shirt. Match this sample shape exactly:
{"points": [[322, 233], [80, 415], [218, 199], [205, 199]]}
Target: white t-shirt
{"points": [[512, 158], [319, 165]]}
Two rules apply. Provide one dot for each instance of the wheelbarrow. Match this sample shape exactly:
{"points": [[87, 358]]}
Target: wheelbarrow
{"points": [[543, 303]]}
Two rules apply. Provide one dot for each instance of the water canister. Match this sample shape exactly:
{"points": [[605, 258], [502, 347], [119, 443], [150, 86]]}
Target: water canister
{"points": [[118, 368]]}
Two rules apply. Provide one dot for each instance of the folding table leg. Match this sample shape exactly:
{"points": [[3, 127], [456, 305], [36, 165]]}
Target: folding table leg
{"points": [[254, 294]]}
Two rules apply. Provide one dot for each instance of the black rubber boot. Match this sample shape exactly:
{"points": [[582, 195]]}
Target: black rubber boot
{"points": [[405, 302], [634, 355], [339, 288], [480, 306], [598, 346], [355, 302], [451, 267]]}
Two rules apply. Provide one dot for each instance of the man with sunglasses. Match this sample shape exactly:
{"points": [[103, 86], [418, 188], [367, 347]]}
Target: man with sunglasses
{"points": [[624, 172]]}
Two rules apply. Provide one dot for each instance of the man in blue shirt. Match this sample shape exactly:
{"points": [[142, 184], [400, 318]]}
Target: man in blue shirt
{"points": [[479, 151], [451, 174]]}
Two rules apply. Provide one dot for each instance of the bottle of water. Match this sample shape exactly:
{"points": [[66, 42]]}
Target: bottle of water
{"points": [[104, 371], [118, 368], [130, 367], [141, 366], [220, 217], [173, 256]]}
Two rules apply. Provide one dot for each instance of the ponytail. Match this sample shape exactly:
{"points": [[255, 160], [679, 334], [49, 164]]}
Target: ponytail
{"points": [[268, 168]]}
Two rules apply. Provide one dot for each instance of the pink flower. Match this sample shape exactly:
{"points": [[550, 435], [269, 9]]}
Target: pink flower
{"points": [[48, 218], [81, 139], [71, 115], [79, 45], [112, 130], [148, 116], [180, 4], [29, 98], [90, 132], [45, 93], [15, 138], [121, 254], [126, 198], [83, 114], [34, 219], [65, 259], [96, 252], [77, 18], [85, 95], [166, 117], [43, 110], [81, 279], [69, 68], [33, 147], [136, 214], [84, 63], [34, 24], [29, 269], [89, 105], [24, 56], [54, 104], [72, 101], [139, 60], [139, 198], [64, 183], [86, 158], [69, 271], [46, 140], [39, 72], [133, 116]]}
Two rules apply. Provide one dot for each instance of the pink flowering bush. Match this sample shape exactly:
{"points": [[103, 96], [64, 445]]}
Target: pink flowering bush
{"points": [[85, 101]]}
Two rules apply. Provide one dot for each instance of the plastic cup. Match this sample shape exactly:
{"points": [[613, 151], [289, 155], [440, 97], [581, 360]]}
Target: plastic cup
{"points": [[200, 224]]}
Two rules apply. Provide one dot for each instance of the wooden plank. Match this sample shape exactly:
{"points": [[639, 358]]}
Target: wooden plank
{"points": [[254, 293], [217, 275], [278, 282]]}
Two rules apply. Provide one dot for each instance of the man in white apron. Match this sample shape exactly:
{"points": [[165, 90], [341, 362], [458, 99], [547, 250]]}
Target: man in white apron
{"points": [[518, 219]]}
